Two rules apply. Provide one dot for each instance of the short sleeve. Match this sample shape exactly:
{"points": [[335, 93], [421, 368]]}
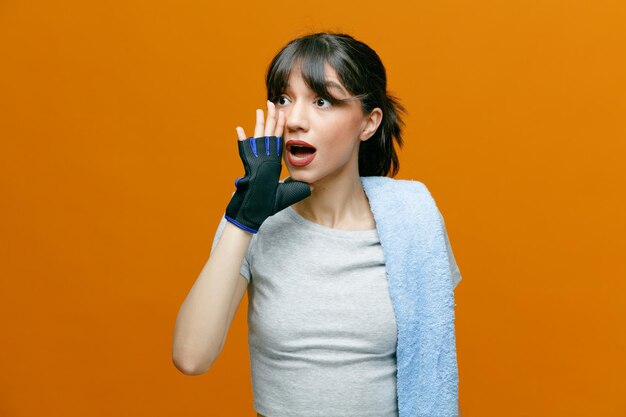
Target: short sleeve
{"points": [[456, 274], [245, 265]]}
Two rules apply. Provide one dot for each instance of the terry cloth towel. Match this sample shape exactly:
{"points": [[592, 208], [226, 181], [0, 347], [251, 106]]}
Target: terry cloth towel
{"points": [[420, 287]]}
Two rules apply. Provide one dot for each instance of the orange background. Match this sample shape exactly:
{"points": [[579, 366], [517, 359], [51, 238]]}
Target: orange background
{"points": [[118, 156]]}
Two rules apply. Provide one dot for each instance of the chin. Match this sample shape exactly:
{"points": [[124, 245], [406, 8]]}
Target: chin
{"points": [[302, 176]]}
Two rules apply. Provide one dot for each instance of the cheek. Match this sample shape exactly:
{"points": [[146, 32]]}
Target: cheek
{"points": [[339, 140], [340, 133]]}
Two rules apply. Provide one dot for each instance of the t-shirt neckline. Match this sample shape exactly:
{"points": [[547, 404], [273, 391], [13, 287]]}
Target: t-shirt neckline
{"points": [[329, 231]]}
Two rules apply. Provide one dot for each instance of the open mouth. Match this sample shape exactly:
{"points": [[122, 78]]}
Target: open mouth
{"points": [[300, 151], [300, 148]]}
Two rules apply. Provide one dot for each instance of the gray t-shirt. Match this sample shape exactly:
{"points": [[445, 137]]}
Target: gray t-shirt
{"points": [[321, 326]]}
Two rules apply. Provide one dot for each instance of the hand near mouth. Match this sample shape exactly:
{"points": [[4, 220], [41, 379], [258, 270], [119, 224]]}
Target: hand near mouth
{"points": [[259, 194]]}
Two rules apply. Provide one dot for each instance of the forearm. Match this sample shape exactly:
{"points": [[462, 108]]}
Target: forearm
{"points": [[202, 319]]}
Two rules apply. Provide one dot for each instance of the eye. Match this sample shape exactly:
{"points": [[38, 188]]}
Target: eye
{"points": [[324, 103], [281, 100]]}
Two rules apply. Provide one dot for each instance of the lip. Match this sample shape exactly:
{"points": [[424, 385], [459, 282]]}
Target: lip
{"points": [[291, 142], [295, 161]]}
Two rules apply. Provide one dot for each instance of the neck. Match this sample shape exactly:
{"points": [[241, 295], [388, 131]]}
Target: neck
{"points": [[338, 203]]}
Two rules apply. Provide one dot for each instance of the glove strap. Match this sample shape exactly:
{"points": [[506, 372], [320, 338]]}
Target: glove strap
{"points": [[239, 225]]}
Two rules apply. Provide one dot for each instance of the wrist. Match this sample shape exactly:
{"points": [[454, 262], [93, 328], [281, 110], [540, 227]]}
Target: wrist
{"points": [[240, 226]]}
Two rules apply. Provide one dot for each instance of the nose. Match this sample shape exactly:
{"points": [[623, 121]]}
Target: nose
{"points": [[296, 117]]}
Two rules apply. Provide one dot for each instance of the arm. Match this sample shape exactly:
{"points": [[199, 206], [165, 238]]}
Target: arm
{"points": [[206, 314]]}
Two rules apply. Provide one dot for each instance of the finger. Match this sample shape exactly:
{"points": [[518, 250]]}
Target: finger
{"points": [[280, 126], [270, 124], [241, 135], [258, 128]]}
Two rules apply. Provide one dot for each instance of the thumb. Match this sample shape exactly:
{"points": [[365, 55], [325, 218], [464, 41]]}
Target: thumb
{"points": [[289, 193]]}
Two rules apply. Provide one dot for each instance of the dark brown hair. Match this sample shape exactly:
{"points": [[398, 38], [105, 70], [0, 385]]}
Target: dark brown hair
{"points": [[362, 73]]}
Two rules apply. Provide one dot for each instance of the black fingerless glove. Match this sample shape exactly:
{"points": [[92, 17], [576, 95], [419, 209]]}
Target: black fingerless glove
{"points": [[259, 195]]}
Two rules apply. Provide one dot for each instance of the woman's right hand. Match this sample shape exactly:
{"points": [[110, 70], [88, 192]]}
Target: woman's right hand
{"points": [[259, 194]]}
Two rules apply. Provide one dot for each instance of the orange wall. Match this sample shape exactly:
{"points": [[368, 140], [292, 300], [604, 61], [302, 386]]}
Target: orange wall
{"points": [[118, 156]]}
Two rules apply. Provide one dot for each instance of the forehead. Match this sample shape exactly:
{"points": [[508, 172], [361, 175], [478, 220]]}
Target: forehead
{"points": [[331, 79]]}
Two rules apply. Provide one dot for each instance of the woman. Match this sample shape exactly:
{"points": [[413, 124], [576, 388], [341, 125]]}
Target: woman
{"points": [[325, 336]]}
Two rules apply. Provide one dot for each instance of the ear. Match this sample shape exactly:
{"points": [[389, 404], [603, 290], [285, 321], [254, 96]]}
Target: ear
{"points": [[371, 123]]}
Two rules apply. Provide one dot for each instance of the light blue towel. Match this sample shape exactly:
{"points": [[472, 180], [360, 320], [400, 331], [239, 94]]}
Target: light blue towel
{"points": [[412, 237]]}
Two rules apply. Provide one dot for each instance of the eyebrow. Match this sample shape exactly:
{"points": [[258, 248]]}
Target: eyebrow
{"points": [[334, 85]]}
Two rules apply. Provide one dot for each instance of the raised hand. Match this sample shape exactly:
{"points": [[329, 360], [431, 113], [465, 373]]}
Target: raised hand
{"points": [[259, 194]]}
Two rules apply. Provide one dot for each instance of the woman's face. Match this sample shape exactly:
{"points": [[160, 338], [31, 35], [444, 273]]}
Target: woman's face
{"points": [[328, 135]]}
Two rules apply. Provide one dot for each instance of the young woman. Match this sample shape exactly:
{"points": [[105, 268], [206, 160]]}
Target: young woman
{"points": [[329, 332]]}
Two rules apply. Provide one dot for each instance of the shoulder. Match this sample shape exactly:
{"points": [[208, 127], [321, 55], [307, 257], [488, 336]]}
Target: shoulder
{"points": [[402, 199], [392, 186], [278, 226]]}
